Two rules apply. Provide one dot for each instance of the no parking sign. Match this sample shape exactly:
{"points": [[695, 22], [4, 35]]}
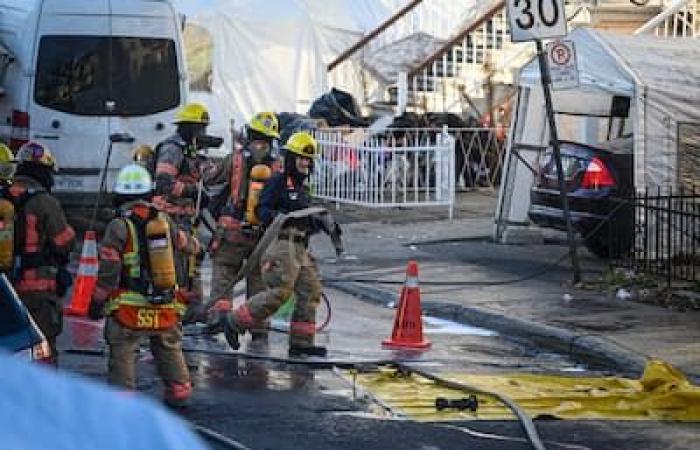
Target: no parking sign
{"points": [[561, 56]]}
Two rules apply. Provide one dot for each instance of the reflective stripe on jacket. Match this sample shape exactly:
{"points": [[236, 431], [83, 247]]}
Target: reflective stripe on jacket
{"points": [[47, 237], [176, 177]]}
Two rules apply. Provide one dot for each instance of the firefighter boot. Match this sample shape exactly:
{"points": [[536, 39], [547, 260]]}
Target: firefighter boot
{"points": [[307, 350], [177, 394], [232, 331]]}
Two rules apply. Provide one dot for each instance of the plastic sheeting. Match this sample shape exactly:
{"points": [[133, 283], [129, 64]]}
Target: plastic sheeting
{"points": [[41, 409], [663, 393], [272, 55]]}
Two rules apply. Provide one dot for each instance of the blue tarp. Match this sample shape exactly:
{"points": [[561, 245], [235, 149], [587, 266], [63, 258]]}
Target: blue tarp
{"points": [[44, 409]]}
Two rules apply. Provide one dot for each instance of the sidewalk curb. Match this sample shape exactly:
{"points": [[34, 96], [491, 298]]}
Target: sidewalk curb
{"points": [[590, 349]]}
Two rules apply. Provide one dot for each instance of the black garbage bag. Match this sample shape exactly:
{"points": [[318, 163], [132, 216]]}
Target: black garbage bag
{"points": [[337, 108], [291, 122]]}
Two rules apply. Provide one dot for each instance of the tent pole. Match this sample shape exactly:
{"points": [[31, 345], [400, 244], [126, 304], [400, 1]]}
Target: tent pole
{"points": [[546, 81]]}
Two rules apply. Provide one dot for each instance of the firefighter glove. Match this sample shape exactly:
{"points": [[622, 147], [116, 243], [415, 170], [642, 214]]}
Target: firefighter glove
{"points": [[96, 311]]}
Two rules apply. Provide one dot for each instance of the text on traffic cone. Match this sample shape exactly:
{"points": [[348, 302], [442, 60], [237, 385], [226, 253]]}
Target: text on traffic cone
{"points": [[408, 323]]}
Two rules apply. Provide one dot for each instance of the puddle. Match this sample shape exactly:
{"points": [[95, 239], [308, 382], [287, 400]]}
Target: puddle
{"points": [[433, 325]]}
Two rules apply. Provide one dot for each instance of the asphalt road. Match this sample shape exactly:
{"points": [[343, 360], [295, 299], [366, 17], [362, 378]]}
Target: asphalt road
{"points": [[272, 405]]}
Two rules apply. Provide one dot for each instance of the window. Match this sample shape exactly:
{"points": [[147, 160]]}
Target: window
{"points": [[94, 75]]}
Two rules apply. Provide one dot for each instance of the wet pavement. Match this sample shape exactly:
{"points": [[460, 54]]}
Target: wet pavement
{"points": [[273, 405]]}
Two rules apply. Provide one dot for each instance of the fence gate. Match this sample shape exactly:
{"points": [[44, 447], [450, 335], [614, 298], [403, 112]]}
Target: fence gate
{"points": [[402, 167]]}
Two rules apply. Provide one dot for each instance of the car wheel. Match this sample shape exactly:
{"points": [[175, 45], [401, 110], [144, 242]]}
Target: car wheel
{"points": [[622, 239]]}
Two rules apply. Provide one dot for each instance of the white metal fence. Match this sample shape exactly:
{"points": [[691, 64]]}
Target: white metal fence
{"points": [[411, 168]]}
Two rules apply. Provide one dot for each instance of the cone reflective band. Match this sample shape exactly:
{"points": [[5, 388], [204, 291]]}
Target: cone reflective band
{"points": [[87, 277], [408, 323]]}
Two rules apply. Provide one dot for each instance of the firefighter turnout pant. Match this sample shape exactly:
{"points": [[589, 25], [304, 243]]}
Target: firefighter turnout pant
{"points": [[166, 347], [287, 267], [226, 262], [47, 311], [187, 268]]}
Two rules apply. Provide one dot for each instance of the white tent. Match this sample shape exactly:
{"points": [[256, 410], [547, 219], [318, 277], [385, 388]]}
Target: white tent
{"points": [[273, 55], [661, 77]]}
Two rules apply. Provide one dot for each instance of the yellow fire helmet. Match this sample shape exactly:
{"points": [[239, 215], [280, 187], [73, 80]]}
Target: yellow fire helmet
{"points": [[143, 154], [265, 123], [7, 166], [193, 113], [37, 153], [302, 143]]}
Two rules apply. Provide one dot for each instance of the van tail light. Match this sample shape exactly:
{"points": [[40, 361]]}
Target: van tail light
{"points": [[20, 129], [597, 175]]}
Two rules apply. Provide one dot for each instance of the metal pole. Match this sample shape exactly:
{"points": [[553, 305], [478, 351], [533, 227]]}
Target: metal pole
{"points": [[544, 74]]}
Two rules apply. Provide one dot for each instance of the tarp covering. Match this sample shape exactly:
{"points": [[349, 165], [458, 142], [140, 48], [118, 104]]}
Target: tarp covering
{"points": [[41, 409], [663, 393]]}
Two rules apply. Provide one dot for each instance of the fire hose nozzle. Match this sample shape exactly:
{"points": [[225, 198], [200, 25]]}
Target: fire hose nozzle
{"points": [[471, 403]]}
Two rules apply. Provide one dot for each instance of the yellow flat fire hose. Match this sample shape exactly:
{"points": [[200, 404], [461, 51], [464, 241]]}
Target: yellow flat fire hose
{"points": [[662, 393]]}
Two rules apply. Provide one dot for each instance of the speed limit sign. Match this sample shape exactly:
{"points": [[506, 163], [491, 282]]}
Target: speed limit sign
{"points": [[536, 19]]}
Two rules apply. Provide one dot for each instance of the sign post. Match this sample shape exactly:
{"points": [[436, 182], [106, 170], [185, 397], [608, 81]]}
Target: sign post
{"points": [[534, 20]]}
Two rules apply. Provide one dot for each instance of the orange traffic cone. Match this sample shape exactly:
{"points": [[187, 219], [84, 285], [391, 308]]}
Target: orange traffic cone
{"points": [[408, 323], [87, 277]]}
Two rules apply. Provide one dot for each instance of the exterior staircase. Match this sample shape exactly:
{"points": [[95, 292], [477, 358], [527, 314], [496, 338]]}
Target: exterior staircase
{"points": [[467, 65]]}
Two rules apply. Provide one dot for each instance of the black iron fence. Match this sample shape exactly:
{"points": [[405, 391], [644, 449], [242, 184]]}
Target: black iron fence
{"points": [[657, 232]]}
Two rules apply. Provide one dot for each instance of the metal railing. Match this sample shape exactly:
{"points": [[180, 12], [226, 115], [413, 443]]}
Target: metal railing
{"points": [[407, 167], [679, 19], [459, 69], [658, 233]]}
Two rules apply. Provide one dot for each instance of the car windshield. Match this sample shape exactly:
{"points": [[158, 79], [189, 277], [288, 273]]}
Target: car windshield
{"points": [[94, 75]]}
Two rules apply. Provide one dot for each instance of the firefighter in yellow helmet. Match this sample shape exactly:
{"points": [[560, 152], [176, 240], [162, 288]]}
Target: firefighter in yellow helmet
{"points": [[238, 228], [178, 185], [137, 286], [7, 166], [287, 266], [43, 240], [145, 156]]}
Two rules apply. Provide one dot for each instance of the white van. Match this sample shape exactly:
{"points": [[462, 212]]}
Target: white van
{"points": [[75, 72]]}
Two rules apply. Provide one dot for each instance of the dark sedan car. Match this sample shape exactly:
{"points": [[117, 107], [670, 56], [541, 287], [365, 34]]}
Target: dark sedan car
{"points": [[18, 332], [595, 178]]}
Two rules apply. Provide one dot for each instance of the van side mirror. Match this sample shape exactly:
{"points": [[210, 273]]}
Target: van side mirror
{"points": [[183, 21]]}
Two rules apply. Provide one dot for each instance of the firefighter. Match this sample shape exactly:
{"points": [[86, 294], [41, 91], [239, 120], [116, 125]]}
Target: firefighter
{"points": [[137, 287], [287, 266], [178, 185], [238, 229], [42, 241], [145, 156]]}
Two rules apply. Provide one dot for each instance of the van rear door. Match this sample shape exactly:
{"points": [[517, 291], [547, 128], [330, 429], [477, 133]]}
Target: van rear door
{"points": [[148, 86], [67, 96], [102, 69]]}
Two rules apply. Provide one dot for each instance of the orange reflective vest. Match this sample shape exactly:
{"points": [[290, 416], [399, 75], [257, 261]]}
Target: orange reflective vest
{"points": [[133, 309]]}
